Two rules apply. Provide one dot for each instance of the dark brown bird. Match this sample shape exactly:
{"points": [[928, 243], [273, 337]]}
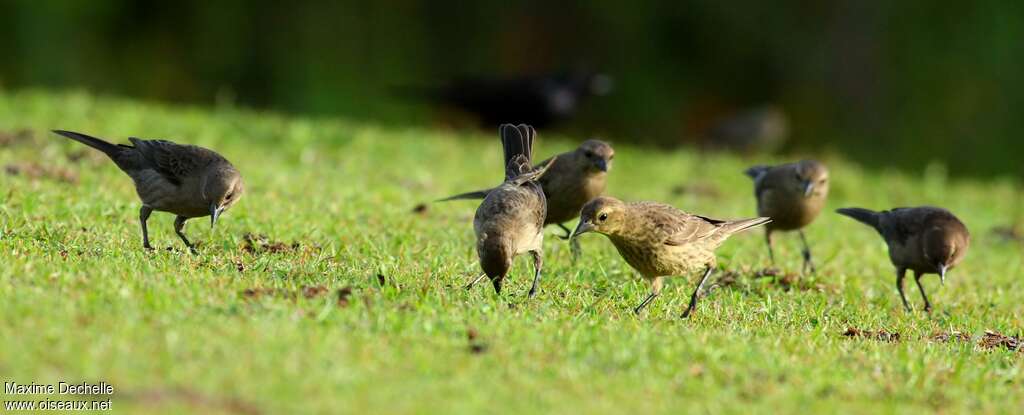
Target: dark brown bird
{"points": [[541, 100], [575, 178], [510, 220], [659, 240], [926, 240], [792, 195], [185, 180]]}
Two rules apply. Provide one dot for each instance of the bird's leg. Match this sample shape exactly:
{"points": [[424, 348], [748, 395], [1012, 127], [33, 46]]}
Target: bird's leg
{"points": [[656, 284], [179, 225], [471, 284], [900, 273], [768, 240], [143, 217], [808, 262], [538, 263], [927, 305], [696, 292]]}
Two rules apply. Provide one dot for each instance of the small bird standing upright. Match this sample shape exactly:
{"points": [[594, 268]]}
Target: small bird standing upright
{"points": [[510, 220], [575, 178], [659, 240], [792, 195], [926, 240], [185, 180]]}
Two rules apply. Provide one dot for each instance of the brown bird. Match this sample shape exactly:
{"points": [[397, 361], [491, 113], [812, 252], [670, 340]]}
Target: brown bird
{"points": [[792, 195], [185, 180], [510, 220], [575, 177], [926, 240], [659, 240]]}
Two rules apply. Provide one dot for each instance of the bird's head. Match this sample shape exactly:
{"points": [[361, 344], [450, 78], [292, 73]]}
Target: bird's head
{"points": [[603, 214], [221, 187], [595, 156], [811, 178], [944, 249]]}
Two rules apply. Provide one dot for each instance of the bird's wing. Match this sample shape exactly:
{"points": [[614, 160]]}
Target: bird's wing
{"points": [[674, 227], [174, 161]]}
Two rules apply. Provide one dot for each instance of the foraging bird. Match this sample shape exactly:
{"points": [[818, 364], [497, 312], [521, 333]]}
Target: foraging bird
{"points": [[926, 240], [185, 180], [574, 178], [510, 220], [659, 240], [537, 100], [792, 195]]}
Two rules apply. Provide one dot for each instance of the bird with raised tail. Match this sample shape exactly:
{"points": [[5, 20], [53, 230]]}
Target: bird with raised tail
{"points": [[575, 177], [186, 180], [926, 240], [659, 240], [792, 195], [510, 220]]}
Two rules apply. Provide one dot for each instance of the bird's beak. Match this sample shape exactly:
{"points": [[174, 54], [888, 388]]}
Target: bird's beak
{"points": [[942, 273], [582, 228], [214, 214], [601, 164], [808, 188]]}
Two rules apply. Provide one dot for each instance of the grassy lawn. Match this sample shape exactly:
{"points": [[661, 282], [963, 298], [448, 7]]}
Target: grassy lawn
{"points": [[351, 299]]}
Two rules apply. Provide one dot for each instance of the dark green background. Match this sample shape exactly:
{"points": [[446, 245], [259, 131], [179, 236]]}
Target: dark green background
{"points": [[888, 83]]}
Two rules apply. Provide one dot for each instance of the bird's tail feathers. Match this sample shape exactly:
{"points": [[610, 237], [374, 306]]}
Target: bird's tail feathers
{"points": [[741, 225], [535, 174], [756, 171], [865, 216], [479, 194], [517, 142], [107, 148]]}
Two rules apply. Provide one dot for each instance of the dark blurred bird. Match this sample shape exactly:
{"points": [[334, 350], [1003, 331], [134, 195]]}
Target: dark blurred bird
{"points": [[510, 220], [659, 240], [537, 100], [761, 129], [792, 195], [574, 178], [926, 240], [185, 180]]}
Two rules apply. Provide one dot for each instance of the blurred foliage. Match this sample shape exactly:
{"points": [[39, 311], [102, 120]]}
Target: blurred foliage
{"points": [[888, 83]]}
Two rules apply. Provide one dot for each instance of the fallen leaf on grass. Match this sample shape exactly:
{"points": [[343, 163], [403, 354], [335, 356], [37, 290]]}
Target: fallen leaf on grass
{"points": [[992, 340], [953, 336], [880, 335]]}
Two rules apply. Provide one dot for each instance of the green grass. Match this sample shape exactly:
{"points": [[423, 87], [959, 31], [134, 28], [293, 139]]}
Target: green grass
{"points": [[173, 332]]}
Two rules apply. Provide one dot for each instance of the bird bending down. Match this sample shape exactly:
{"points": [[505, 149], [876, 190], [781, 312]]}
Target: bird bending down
{"points": [[659, 240], [792, 195], [185, 180], [926, 240], [510, 220], [574, 178]]}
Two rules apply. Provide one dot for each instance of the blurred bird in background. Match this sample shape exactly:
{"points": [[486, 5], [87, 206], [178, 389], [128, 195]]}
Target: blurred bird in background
{"points": [[541, 101], [756, 130]]}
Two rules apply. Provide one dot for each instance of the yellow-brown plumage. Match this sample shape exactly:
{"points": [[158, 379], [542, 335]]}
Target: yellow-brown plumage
{"points": [[659, 240]]}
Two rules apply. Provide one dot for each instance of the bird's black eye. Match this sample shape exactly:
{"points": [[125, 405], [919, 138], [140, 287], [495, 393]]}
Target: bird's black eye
{"points": [[589, 155], [229, 196], [602, 217]]}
